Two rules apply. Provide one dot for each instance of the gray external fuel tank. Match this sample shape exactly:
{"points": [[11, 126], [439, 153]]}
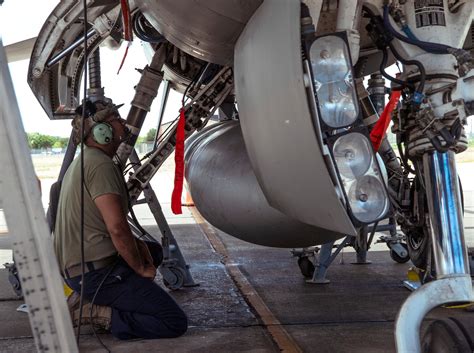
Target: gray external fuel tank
{"points": [[227, 194]]}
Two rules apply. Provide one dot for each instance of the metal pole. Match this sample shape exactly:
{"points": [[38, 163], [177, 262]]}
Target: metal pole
{"points": [[445, 207], [376, 89], [164, 100], [145, 93], [447, 234], [95, 91], [32, 245], [69, 49]]}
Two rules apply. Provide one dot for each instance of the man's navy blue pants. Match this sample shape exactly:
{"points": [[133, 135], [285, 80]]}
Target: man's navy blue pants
{"points": [[140, 307]]}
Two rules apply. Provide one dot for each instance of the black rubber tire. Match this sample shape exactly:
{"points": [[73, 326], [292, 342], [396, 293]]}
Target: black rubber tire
{"points": [[448, 335], [306, 267], [418, 245], [401, 260]]}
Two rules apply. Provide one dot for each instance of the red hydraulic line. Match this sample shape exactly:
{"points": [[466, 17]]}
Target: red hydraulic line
{"points": [[378, 132]]}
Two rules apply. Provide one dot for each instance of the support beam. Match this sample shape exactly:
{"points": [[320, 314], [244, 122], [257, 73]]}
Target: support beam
{"points": [[32, 244]]}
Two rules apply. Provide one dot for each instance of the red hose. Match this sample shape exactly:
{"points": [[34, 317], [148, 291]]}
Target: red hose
{"points": [[380, 128]]}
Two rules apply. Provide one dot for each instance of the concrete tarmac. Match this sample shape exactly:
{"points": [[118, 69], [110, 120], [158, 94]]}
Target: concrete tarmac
{"points": [[354, 313]]}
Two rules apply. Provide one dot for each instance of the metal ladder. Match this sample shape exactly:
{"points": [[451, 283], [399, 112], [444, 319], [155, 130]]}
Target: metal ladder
{"points": [[32, 244]]}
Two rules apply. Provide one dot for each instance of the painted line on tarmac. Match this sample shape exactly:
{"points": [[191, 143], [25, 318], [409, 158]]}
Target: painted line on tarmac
{"points": [[280, 336]]}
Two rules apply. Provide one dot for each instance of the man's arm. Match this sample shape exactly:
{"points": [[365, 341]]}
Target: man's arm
{"points": [[110, 206]]}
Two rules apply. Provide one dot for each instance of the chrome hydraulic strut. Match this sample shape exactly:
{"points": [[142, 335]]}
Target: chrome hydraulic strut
{"points": [[453, 283]]}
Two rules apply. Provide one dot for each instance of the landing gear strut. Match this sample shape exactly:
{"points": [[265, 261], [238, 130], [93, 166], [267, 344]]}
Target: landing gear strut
{"points": [[453, 284]]}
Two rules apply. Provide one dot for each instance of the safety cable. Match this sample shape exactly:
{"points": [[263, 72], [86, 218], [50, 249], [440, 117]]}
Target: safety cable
{"points": [[83, 118]]}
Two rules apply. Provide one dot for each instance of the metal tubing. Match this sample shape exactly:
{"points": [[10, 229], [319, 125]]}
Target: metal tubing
{"points": [[70, 48], [94, 70], [382, 228], [420, 302], [376, 89], [319, 275], [164, 101], [145, 93], [445, 207]]}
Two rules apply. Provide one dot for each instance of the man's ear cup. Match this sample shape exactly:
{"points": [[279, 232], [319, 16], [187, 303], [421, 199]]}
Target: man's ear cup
{"points": [[102, 133]]}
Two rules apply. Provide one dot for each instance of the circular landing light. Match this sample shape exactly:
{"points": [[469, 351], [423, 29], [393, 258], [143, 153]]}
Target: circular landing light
{"points": [[353, 155], [367, 199]]}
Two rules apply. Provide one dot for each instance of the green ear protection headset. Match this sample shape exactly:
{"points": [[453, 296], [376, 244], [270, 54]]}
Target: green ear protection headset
{"points": [[101, 131]]}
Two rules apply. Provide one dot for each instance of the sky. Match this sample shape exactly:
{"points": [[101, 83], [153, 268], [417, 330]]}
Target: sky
{"points": [[118, 87]]}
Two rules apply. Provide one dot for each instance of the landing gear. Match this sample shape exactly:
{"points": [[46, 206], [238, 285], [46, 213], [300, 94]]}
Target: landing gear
{"points": [[453, 283], [451, 335], [418, 246]]}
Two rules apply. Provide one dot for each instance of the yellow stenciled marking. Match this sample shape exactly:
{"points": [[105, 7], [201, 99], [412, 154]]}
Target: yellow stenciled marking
{"points": [[283, 340]]}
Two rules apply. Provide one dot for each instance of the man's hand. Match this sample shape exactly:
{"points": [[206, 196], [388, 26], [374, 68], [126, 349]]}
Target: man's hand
{"points": [[145, 252], [149, 271]]}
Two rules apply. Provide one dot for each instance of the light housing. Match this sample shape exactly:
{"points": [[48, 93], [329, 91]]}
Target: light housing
{"points": [[337, 118], [360, 176], [333, 81]]}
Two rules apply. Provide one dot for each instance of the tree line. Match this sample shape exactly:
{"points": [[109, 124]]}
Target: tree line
{"points": [[40, 141]]}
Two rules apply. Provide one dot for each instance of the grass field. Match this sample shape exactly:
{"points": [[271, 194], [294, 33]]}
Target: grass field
{"points": [[48, 166]]}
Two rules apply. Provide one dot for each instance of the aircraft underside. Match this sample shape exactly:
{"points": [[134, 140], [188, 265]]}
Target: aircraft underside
{"points": [[300, 157]]}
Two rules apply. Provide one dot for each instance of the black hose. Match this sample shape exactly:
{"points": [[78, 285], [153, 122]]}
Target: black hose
{"points": [[142, 30], [387, 76], [428, 77], [434, 48], [421, 68]]}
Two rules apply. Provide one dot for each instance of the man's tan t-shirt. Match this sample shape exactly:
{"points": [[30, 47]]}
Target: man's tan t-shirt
{"points": [[101, 176]]}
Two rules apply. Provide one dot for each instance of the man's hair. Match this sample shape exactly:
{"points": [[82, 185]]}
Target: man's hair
{"points": [[95, 112]]}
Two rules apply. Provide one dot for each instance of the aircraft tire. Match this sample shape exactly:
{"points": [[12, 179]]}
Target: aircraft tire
{"points": [[449, 335], [418, 244]]}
